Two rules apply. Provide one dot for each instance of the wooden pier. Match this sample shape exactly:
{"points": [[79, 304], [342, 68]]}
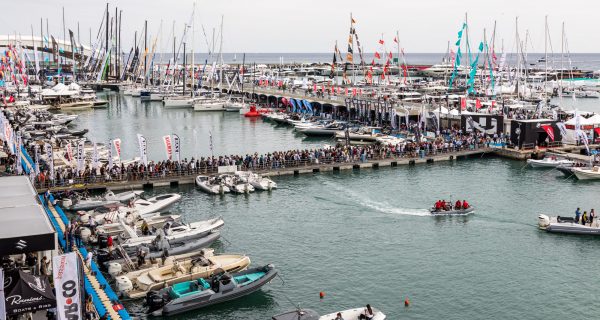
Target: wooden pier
{"points": [[173, 180]]}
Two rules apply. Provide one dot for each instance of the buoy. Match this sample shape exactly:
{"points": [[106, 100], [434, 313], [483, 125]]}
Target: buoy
{"points": [[406, 302], [321, 294]]}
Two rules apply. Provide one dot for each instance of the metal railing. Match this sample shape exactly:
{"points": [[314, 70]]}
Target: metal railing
{"points": [[257, 166]]}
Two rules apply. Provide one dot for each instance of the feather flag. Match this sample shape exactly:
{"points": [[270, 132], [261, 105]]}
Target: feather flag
{"points": [[377, 56], [381, 42]]}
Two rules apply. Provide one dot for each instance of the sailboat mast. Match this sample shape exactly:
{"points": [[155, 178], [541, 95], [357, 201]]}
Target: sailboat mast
{"points": [[546, 60], [145, 53]]}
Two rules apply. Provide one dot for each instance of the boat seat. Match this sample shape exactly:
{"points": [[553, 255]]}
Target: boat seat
{"points": [[565, 219]]}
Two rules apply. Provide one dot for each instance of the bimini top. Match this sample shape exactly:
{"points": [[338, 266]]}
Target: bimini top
{"points": [[24, 226]]}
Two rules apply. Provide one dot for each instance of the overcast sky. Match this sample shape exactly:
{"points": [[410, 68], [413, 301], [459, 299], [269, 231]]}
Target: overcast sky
{"points": [[315, 25]]}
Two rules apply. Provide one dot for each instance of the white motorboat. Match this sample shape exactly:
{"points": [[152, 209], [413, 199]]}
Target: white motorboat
{"points": [[308, 314], [235, 106], [567, 225], [155, 204], [211, 185], [156, 221], [122, 196], [178, 102], [587, 173], [257, 181], [322, 130], [136, 285], [550, 162], [132, 271], [237, 185], [114, 214], [209, 105], [172, 232]]}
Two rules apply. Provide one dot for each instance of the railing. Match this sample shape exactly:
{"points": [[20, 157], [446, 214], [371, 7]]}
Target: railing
{"points": [[256, 166]]}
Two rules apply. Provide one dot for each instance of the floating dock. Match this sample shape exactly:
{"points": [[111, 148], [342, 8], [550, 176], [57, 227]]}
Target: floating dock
{"points": [[185, 177]]}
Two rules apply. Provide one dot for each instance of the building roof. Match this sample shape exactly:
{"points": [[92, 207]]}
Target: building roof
{"points": [[24, 226]]}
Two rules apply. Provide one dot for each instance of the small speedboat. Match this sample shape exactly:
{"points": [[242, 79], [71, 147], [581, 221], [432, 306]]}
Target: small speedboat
{"points": [[193, 295], [567, 225], [138, 285], [211, 185], [308, 314], [587, 173], [549, 162], [85, 204], [154, 204], [257, 181], [157, 249], [456, 212], [156, 221], [172, 232], [122, 196]]}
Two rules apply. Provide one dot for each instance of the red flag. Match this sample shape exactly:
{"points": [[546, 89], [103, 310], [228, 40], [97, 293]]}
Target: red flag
{"points": [[377, 56], [314, 87], [353, 91], [549, 130], [346, 91], [395, 40], [493, 105], [323, 88], [372, 63], [477, 104], [597, 130], [381, 41], [391, 56], [463, 103]]}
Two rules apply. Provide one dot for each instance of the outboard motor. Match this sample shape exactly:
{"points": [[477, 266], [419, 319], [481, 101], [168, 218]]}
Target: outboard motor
{"points": [[102, 241], [543, 221], [154, 301], [102, 256]]}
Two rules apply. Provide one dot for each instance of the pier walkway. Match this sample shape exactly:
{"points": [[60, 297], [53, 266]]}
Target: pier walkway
{"points": [[290, 167], [105, 300]]}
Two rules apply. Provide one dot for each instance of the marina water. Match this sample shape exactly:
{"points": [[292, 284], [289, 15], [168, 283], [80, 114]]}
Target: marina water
{"points": [[365, 236]]}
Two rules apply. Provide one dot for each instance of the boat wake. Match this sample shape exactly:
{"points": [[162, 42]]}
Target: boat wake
{"points": [[379, 206]]}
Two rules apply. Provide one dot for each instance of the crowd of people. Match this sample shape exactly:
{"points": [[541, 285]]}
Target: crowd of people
{"points": [[451, 140]]}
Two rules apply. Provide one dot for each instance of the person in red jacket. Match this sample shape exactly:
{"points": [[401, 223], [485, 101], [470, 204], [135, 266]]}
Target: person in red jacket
{"points": [[458, 205], [438, 205], [465, 204]]}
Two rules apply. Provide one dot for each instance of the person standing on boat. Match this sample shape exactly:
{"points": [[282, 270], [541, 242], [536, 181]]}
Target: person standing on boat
{"points": [[577, 214], [592, 216], [584, 218], [338, 316]]}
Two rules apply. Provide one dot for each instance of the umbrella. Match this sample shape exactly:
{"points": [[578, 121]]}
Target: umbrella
{"points": [[26, 293]]}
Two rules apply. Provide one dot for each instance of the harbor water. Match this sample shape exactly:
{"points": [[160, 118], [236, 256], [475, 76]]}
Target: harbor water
{"points": [[366, 237]]}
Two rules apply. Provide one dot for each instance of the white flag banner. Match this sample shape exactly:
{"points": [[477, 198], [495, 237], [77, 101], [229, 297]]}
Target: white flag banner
{"points": [[50, 159], [80, 156], [109, 155], [95, 160], [65, 269], [37, 159], [18, 154], [143, 149], [177, 147], [168, 147], [117, 144]]}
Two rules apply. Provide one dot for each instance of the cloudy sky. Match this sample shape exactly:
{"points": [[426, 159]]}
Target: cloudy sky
{"points": [[315, 25]]}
